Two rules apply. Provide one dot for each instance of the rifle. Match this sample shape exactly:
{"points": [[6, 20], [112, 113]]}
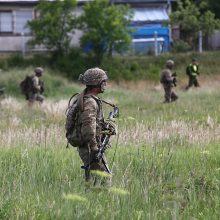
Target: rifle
{"points": [[174, 75], [106, 137], [105, 140]]}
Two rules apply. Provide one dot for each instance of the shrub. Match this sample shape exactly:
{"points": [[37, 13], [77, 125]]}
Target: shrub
{"points": [[180, 46], [72, 64]]}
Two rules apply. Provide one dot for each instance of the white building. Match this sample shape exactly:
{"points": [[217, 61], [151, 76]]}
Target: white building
{"points": [[14, 15]]}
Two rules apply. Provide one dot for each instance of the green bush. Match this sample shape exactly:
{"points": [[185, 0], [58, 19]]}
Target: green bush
{"points": [[72, 64], [180, 46]]}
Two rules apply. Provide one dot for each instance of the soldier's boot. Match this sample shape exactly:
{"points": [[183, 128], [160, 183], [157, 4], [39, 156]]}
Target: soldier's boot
{"points": [[174, 97]]}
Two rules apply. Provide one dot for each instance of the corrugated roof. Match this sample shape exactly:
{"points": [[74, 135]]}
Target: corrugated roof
{"points": [[150, 14]]}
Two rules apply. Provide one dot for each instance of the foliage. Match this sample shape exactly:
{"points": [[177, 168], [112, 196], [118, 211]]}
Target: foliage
{"points": [[71, 64], [105, 27], [180, 46], [215, 7], [192, 18], [167, 163], [118, 68], [54, 25]]}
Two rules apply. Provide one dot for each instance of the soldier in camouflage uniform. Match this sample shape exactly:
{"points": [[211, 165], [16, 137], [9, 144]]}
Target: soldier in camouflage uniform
{"points": [[168, 80], [91, 120], [35, 93]]}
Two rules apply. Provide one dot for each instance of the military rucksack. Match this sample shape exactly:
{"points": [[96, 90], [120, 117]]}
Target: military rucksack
{"points": [[188, 70], [26, 85], [73, 134]]}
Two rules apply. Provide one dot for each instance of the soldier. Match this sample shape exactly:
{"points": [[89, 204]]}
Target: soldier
{"points": [[90, 121], [168, 80], [32, 87], [192, 71]]}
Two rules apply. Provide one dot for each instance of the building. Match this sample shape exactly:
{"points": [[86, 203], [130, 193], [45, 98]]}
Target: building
{"points": [[148, 20]]}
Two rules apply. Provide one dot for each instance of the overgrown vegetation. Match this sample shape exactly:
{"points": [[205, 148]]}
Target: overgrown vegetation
{"points": [[54, 25], [192, 17], [167, 162], [118, 68], [106, 30]]}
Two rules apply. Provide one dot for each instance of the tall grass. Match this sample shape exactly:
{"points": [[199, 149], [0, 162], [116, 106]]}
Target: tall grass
{"points": [[166, 166]]}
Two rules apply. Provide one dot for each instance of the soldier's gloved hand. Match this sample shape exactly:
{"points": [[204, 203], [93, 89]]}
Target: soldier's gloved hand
{"points": [[110, 127], [174, 80], [174, 74], [94, 148], [95, 152]]}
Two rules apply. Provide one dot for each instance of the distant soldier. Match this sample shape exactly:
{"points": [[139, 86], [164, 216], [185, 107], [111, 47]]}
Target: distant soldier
{"points": [[85, 122], [168, 80], [192, 71], [32, 87]]}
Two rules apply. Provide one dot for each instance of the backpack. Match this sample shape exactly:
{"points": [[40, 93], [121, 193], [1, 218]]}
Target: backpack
{"points": [[162, 80], [188, 70], [26, 85], [73, 134]]}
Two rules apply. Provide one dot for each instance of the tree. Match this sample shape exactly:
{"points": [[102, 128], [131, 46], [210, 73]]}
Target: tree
{"points": [[192, 17], [105, 27], [53, 26], [215, 7]]}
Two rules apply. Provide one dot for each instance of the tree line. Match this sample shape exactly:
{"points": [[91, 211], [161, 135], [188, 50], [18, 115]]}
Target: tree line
{"points": [[105, 26]]}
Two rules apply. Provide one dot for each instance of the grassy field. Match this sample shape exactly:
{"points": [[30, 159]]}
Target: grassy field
{"points": [[166, 166]]}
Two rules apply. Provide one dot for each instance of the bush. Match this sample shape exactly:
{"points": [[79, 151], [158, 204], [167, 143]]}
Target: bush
{"points": [[16, 60], [72, 64], [180, 46]]}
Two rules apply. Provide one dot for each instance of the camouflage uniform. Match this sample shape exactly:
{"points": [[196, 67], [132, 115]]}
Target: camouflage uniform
{"points": [[167, 79], [35, 93], [91, 121]]}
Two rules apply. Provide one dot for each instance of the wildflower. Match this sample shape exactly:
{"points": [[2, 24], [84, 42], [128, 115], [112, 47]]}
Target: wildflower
{"points": [[100, 173], [205, 152], [119, 191], [131, 118], [75, 198]]}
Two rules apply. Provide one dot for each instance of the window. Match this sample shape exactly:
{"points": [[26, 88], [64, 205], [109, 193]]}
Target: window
{"points": [[6, 22], [21, 19]]}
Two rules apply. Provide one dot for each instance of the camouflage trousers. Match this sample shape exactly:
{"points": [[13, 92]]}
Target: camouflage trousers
{"points": [[92, 164], [192, 81], [31, 97], [170, 95]]}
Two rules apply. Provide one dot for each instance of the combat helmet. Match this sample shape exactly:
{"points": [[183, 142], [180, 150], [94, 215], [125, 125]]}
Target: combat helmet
{"points": [[169, 63], [38, 71], [93, 77]]}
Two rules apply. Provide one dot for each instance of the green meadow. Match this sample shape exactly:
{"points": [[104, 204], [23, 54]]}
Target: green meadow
{"points": [[165, 159]]}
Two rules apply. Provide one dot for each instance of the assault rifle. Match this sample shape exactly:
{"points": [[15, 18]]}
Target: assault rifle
{"points": [[109, 131], [105, 139], [174, 75]]}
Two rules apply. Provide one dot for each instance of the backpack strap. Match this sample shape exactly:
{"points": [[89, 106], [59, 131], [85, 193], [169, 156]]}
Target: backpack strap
{"points": [[80, 100], [101, 100]]}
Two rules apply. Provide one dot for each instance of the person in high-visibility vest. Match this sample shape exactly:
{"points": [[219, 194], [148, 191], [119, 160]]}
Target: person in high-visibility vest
{"points": [[192, 71]]}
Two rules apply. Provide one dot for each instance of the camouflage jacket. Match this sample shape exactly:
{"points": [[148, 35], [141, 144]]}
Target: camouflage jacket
{"points": [[166, 78], [91, 121]]}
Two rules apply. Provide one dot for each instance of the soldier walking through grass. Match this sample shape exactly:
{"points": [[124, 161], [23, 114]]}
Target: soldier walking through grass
{"points": [[192, 71], [85, 122], [32, 87], [168, 80]]}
